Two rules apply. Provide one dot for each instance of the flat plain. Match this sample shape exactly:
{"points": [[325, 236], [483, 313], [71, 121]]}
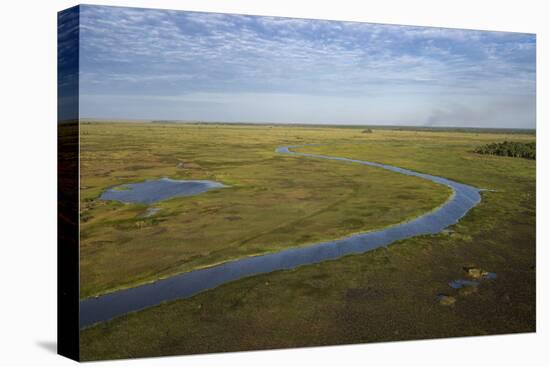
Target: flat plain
{"points": [[274, 202]]}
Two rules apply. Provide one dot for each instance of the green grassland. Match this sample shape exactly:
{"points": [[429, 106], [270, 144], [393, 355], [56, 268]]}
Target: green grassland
{"points": [[273, 201], [387, 294]]}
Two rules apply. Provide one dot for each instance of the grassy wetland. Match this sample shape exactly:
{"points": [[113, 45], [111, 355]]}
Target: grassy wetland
{"points": [[274, 202]]}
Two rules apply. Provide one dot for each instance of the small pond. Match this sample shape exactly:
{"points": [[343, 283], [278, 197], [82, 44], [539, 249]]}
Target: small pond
{"points": [[151, 191]]}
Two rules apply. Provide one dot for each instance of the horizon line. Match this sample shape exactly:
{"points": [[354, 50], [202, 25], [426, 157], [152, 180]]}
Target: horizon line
{"points": [[332, 124]]}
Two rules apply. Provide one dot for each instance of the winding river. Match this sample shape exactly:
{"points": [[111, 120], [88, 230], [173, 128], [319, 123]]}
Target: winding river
{"points": [[108, 306]]}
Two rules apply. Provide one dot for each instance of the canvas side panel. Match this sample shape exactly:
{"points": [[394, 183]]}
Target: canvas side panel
{"points": [[67, 184]]}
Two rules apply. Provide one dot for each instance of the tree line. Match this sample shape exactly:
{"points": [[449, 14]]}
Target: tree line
{"points": [[509, 149]]}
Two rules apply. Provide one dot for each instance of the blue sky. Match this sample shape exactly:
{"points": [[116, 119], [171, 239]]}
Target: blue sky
{"points": [[158, 64]]}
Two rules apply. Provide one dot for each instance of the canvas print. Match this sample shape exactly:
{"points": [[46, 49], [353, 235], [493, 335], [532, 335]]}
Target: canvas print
{"points": [[235, 182]]}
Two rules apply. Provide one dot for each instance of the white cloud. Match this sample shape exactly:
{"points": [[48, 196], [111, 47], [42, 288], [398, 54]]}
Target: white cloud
{"points": [[170, 53]]}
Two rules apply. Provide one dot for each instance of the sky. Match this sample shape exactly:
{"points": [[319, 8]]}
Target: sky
{"points": [[176, 65]]}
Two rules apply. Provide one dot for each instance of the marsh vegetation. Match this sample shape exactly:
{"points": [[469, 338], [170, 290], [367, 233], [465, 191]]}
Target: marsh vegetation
{"points": [[272, 201], [277, 202]]}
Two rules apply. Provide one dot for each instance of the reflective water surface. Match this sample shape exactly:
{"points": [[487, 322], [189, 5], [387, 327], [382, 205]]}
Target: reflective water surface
{"points": [[151, 191]]}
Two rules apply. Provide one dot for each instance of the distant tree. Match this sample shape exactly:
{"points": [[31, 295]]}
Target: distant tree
{"points": [[509, 149]]}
